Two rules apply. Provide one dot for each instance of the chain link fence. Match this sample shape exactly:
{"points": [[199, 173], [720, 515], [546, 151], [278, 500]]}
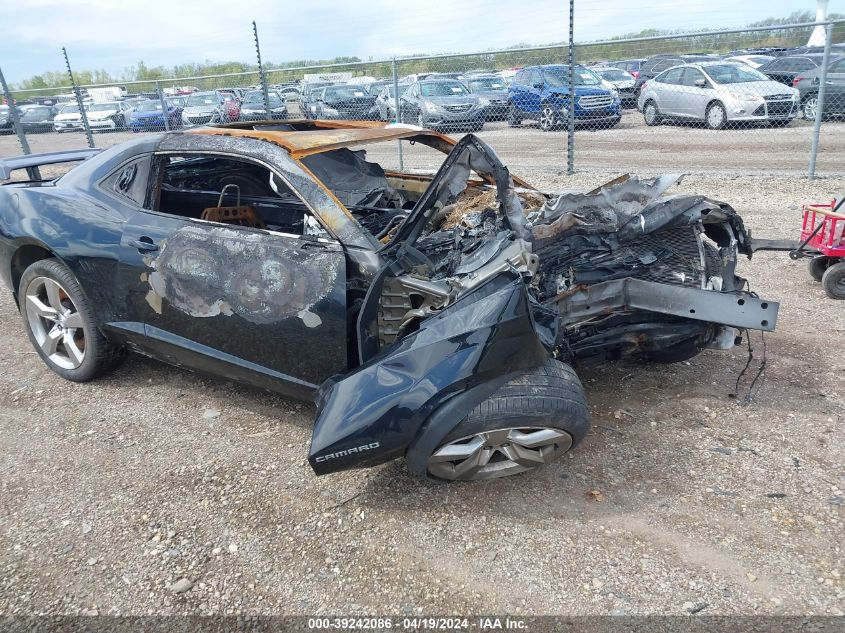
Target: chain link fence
{"points": [[751, 101]]}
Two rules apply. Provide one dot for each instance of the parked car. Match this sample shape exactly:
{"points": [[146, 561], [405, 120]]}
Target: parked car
{"points": [[254, 109], [6, 124], [37, 118], [446, 341], [386, 102], [807, 84], [492, 93], [755, 61], [630, 66], [149, 115], [68, 119], [206, 107], [621, 81], [351, 103], [653, 66], [108, 115], [717, 93], [786, 69], [445, 104], [307, 102], [541, 93]]}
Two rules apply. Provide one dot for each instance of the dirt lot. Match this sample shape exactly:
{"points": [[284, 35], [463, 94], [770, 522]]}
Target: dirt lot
{"points": [[631, 146], [680, 500]]}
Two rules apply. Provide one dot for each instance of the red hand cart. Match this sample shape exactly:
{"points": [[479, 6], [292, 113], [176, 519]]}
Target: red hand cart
{"points": [[823, 231]]}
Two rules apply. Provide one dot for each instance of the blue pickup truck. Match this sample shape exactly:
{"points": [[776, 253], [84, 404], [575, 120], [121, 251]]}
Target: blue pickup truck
{"points": [[541, 93]]}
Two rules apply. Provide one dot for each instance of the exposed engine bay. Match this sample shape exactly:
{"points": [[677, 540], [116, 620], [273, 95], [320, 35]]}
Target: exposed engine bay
{"points": [[622, 269]]}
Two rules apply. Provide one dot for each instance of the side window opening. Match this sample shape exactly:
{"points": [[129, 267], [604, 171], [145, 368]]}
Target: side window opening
{"points": [[231, 191], [129, 181]]}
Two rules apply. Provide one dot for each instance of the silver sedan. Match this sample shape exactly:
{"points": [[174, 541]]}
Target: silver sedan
{"points": [[717, 93]]}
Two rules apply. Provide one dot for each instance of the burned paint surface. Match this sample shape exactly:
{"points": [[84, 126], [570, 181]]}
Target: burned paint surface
{"points": [[205, 272]]}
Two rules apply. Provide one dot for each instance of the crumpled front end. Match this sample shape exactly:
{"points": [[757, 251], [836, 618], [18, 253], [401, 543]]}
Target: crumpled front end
{"points": [[481, 280]]}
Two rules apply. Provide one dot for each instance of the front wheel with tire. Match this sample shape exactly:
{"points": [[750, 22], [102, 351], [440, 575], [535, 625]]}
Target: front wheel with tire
{"points": [[809, 107], [530, 421], [833, 281], [514, 119], [651, 115], [60, 323], [716, 116], [548, 118]]}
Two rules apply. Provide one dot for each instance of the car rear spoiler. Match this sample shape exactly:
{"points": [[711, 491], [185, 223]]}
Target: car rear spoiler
{"points": [[31, 162]]}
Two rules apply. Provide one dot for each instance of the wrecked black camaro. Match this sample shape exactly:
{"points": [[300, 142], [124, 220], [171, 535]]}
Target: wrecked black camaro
{"points": [[433, 317]]}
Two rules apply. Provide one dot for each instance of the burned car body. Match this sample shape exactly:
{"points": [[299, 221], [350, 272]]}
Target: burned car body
{"points": [[434, 317]]}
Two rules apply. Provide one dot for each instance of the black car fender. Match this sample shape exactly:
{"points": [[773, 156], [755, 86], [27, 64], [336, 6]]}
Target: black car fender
{"points": [[419, 389]]}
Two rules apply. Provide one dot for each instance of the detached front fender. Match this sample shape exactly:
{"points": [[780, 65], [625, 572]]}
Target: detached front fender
{"points": [[373, 414]]}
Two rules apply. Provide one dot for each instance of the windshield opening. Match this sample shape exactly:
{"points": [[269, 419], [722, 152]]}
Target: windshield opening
{"points": [[257, 99], [102, 107], [149, 106], [486, 83], [734, 74], [559, 77], [614, 74], [201, 99], [344, 92], [442, 89]]}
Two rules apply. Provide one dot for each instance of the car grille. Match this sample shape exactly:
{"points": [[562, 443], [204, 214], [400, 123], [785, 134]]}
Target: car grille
{"points": [[770, 98], [595, 101], [199, 119], [461, 107], [678, 252]]}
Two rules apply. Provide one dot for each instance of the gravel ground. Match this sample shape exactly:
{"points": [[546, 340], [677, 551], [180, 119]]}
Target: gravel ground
{"points": [[631, 146], [156, 491]]}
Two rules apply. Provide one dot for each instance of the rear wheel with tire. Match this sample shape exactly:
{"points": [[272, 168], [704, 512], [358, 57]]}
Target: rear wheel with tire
{"points": [[60, 323], [716, 116], [530, 421], [818, 265], [651, 114], [833, 281]]}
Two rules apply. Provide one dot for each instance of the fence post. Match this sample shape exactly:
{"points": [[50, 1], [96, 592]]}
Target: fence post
{"points": [[817, 124], [32, 172], [396, 107], [261, 76], [79, 104], [163, 107], [570, 128]]}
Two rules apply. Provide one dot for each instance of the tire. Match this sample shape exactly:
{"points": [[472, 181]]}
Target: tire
{"points": [[514, 120], [716, 117], [677, 353], [546, 405], [651, 113], [818, 265], [547, 118], [46, 283], [833, 281], [809, 106]]}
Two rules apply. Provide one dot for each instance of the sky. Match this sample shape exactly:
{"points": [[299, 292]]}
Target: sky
{"points": [[113, 35]]}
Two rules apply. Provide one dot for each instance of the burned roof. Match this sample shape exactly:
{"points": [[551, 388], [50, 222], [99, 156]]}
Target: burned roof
{"points": [[303, 137]]}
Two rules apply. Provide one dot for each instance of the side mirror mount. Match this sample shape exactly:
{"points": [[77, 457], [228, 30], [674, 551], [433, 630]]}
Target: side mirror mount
{"points": [[539, 86], [700, 83]]}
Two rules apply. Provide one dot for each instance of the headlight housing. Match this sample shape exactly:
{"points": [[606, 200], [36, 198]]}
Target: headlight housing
{"points": [[746, 96], [431, 106]]}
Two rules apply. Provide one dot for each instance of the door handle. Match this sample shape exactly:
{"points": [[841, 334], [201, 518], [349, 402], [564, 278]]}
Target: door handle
{"points": [[144, 244], [309, 245]]}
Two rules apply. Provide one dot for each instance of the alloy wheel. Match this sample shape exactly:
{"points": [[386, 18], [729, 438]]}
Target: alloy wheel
{"points": [[498, 453], [56, 323], [810, 108], [547, 118], [650, 113]]}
